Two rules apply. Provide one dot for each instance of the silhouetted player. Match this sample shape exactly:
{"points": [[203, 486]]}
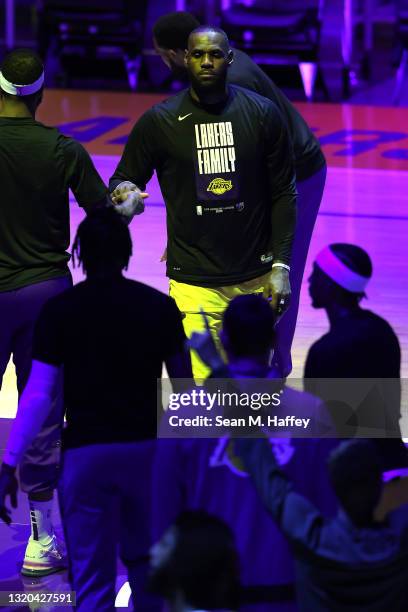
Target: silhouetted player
{"points": [[112, 335]]}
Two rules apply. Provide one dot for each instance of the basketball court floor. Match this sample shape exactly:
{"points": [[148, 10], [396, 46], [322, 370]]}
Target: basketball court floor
{"points": [[365, 202]]}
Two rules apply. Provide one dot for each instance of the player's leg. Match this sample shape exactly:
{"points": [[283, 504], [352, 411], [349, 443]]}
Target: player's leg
{"points": [[39, 469], [189, 299], [310, 193], [134, 480], [8, 322], [89, 508], [213, 301]]}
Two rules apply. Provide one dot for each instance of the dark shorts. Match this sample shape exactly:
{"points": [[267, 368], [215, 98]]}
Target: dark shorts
{"points": [[19, 310]]}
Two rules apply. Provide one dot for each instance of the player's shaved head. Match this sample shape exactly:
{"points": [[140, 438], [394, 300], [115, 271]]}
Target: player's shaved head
{"points": [[218, 36], [207, 60]]}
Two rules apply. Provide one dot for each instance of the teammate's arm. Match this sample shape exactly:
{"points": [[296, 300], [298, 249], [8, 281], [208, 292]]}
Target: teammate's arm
{"points": [[82, 177], [282, 186], [136, 165], [298, 518], [176, 356]]}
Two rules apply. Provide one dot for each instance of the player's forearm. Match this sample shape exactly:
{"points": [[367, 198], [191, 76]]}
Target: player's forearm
{"points": [[34, 406], [126, 171], [283, 224], [259, 460], [132, 170], [117, 179], [299, 520], [33, 409]]}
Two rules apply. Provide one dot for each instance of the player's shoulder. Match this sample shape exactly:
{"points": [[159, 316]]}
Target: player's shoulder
{"points": [[244, 68], [41, 131], [170, 105], [253, 100], [323, 347], [72, 149], [373, 318], [376, 324], [44, 126], [146, 294]]}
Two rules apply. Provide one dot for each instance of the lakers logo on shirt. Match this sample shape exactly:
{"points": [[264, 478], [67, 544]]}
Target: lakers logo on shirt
{"points": [[219, 186]]}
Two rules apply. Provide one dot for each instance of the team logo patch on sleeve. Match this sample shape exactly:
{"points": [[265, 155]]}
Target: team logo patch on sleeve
{"points": [[219, 186]]}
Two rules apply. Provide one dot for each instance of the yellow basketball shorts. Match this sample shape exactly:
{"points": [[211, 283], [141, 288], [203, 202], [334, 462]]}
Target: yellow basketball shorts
{"points": [[213, 301]]}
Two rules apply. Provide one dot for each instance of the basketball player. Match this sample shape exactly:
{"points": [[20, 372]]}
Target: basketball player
{"points": [[361, 345], [110, 393], [224, 160], [38, 166], [170, 36]]}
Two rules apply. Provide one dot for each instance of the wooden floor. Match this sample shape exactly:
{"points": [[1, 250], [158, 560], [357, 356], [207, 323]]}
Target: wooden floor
{"points": [[365, 201]]}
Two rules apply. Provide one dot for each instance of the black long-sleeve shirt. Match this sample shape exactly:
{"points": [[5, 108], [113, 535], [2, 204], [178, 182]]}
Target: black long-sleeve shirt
{"points": [[339, 567], [308, 154], [38, 166], [227, 177]]}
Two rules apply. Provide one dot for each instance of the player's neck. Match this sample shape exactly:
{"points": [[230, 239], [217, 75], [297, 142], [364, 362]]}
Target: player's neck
{"points": [[336, 312], [209, 97], [105, 274], [249, 366], [15, 110]]}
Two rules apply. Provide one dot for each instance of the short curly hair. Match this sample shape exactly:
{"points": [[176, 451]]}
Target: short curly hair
{"points": [[172, 30], [22, 67]]}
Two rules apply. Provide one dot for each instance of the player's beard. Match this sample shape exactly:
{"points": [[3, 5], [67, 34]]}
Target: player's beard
{"points": [[211, 87]]}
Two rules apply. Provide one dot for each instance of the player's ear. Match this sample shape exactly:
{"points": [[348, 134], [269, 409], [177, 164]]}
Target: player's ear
{"points": [[185, 57], [230, 57]]}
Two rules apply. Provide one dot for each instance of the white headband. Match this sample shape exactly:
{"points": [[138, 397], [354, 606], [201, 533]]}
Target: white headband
{"points": [[21, 90], [340, 273]]}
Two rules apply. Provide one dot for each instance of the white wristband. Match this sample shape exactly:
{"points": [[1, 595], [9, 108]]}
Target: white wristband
{"points": [[278, 264]]}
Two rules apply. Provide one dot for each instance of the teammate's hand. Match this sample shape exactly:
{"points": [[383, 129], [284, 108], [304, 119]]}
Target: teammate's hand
{"points": [[132, 205], [8, 487], [204, 345], [164, 256], [121, 191], [234, 458], [278, 288]]}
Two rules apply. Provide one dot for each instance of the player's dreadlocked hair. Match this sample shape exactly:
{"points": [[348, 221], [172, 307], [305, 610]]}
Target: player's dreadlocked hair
{"points": [[102, 241]]}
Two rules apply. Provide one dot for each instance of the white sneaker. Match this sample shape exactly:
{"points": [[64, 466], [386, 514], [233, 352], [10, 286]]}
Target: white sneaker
{"points": [[40, 560]]}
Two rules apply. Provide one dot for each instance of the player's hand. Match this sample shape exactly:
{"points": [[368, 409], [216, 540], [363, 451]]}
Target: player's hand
{"points": [[164, 256], [204, 345], [234, 457], [8, 487], [128, 200], [121, 191], [277, 288]]}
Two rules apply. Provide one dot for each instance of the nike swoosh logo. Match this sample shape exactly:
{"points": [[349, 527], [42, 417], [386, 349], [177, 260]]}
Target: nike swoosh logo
{"points": [[184, 116]]}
